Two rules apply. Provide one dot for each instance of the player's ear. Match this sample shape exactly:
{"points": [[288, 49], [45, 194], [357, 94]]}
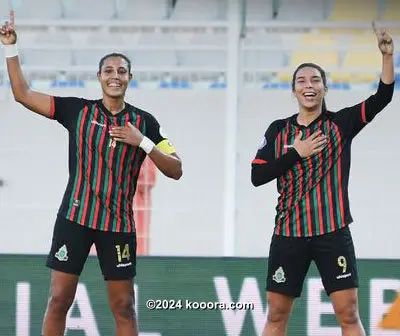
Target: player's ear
{"points": [[294, 93], [98, 76], [131, 76]]}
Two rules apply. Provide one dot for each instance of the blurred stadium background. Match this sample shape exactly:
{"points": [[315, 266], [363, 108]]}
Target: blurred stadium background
{"points": [[215, 73]]}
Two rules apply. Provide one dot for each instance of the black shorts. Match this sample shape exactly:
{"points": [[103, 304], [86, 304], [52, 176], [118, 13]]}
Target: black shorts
{"points": [[290, 258], [71, 245]]}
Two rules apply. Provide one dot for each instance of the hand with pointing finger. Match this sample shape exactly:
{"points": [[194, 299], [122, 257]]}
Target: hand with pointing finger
{"points": [[385, 41], [314, 144], [8, 35], [128, 134]]}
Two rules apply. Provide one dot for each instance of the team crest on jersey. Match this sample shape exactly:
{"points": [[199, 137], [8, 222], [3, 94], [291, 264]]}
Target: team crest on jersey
{"points": [[263, 143], [279, 275], [162, 133], [62, 253]]}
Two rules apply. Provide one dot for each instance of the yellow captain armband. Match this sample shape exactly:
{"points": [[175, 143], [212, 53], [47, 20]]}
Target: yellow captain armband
{"points": [[166, 146]]}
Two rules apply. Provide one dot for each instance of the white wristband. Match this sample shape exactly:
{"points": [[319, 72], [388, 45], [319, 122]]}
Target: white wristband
{"points": [[147, 145], [10, 50]]}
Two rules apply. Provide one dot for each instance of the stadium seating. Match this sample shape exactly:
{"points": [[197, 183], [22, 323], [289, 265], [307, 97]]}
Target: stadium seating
{"points": [[47, 58], [326, 59], [367, 39], [203, 59], [301, 10], [211, 39], [154, 58], [317, 39], [397, 60], [259, 10], [391, 12], [339, 76], [368, 64], [193, 10], [349, 54], [56, 38], [264, 59], [45, 51], [104, 44], [370, 60], [256, 10], [84, 57], [264, 39], [156, 39], [38, 9], [355, 77], [345, 10], [100, 39], [142, 10], [4, 8], [89, 9]]}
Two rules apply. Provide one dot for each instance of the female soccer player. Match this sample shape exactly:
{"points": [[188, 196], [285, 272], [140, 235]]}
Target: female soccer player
{"points": [[309, 154], [108, 141]]}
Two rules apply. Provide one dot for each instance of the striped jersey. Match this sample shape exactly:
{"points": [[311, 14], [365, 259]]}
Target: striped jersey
{"points": [[103, 173], [313, 192]]}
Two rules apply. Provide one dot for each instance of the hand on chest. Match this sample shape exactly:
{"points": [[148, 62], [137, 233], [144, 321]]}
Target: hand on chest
{"points": [[286, 138], [102, 133]]}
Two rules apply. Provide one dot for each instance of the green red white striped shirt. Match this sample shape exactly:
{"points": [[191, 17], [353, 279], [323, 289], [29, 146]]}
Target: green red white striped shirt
{"points": [[102, 173], [313, 192]]}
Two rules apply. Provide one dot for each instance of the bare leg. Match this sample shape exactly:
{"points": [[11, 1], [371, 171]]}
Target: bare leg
{"points": [[62, 293], [345, 304], [279, 308], [122, 302]]}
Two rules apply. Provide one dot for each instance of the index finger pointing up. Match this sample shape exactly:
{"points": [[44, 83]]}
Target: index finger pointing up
{"points": [[374, 28], [12, 18]]}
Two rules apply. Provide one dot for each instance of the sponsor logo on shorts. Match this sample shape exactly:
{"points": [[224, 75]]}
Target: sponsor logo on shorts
{"points": [[124, 265], [343, 276], [62, 253], [279, 275]]}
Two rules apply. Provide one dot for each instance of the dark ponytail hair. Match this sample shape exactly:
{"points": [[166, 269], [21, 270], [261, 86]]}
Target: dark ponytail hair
{"points": [[323, 76], [324, 109]]}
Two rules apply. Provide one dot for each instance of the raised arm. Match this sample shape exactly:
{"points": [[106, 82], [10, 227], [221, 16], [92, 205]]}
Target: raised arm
{"points": [[386, 46], [354, 118], [34, 101]]}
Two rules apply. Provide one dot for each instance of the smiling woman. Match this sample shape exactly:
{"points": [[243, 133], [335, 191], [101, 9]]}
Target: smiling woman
{"points": [[308, 97], [114, 86], [309, 155], [108, 142]]}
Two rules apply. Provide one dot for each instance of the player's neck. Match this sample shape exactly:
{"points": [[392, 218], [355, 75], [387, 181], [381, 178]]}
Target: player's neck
{"points": [[114, 105], [307, 116]]}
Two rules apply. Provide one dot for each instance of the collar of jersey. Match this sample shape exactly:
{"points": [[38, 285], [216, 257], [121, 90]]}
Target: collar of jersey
{"points": [[120, 114], [293, 120]]}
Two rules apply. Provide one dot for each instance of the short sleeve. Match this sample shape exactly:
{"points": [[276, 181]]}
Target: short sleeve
{"points": [[156, 134], [266, 150], [66, 109]]}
